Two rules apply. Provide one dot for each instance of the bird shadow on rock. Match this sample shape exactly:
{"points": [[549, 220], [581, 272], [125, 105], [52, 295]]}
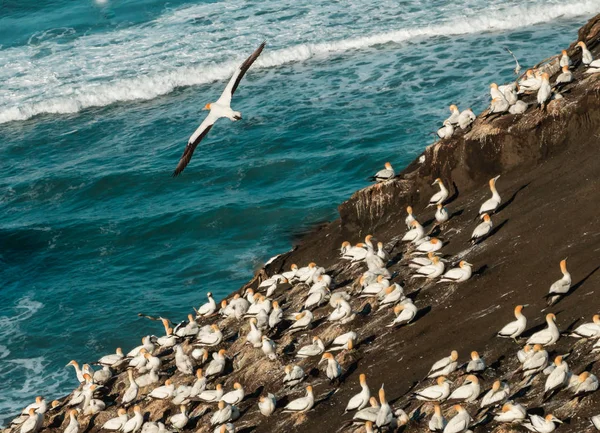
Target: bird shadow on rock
{"points": [[313, 372], [457, 213], [481, 270], [414, 294], [248, 429], [348, 372], [325, 397], [497, 228], [366, 309], [454, 195], [368, 340], [421, 313], [318, 322], [257, 392], [498, 362], [91, 423], [575, 287], [512, 198]]}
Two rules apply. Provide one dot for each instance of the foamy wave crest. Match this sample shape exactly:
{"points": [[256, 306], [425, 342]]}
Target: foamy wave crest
{"points": [[98, 93]]}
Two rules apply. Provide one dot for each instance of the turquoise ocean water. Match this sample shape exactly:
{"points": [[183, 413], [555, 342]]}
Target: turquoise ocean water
{"points": [[98, 99]]}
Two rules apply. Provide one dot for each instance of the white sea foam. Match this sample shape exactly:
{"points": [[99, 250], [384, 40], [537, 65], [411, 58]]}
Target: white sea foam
{"points": [[151, 60]]}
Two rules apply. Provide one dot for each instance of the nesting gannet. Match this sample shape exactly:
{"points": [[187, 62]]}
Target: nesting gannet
{"points": [[518, 107], [78, 370], [166, 391], [316, 348], [317, 295], [360, 400], [135, 422], [131, 393], [384, 415], [342, 312], [214, 338], [269, 347], [302, 404], [207, 309], [536, 362], [92, 406], [460, 422], [152, 363], [437, 423], [113, 358], [584, 383], [565, 60], [409, 217], [73, 426], [458, 275], [586, 57], [354, 253], [511, 412], [432, 245], [183, 361], [466, 118], [531, 83], [169, 339], [294, 374], [254, 336], [375, 288], [525, 353], [440, 196], [218, 110], [515, 328], [382, 253], [432, 271], [547, 336], [212, 395], [260, 303], [545, 91], [302, 321], [240, 306], [405, 313], [588, 330], [217, 365], [368, 414], [386, 174], [333, 369], [495, 92], [560, 287], [272, 281], [446, 131], [491, 205], [223, 414], [476, 364], [154, 427], [342, 342], [33, 423], [391, 295], [498, 106], [117, 423], [565, 77], [40, 406], [469, 391], [184, 392], [415, 234], [438, 392], [542, 425], [180, 420], [482, 230], [510, 93], [559, 376], [276, 315], [455, 114], [439, 367], [306, 272], [441, 215], [267, 404]]}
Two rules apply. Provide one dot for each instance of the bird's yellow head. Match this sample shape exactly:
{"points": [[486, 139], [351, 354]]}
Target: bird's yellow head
{"points": [[207, 106]]}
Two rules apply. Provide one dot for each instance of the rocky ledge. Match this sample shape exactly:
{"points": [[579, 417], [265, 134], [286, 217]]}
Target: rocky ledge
{"points": [[549, 184]]}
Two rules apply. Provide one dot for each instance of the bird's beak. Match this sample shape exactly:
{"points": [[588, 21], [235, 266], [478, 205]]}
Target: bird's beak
{"points": [[525, 305], [558, 421]]}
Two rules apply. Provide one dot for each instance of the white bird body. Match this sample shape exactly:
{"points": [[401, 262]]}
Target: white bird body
{"points": [[211, 395], [511, 412], [112, 359], [360, 400], [437, 423], [207, 309], [267, 404], [455, 114], [519, 107], [333, 369], [559, 376], [560, 287], [584, 383], [483, 229], [163, 392], [302, 404], [430, 246], [385, 174], [180, 420], [458, 275], [491, 204], [431, 271], [183, 361], [565, 77], [586, 55], [499, 392], [405, 313], [342, 313], [415, 234], [276, 315], [498, 105], [269, 347], [217, 365], [466, 118], [377, 287], [438, 392], [459, 423], [218, 110], [409, 218], [303, 321], [117, 423], [541, 425], [588, 330], [565, 60], [515, 328], [391, 295], [131, 393], [446, 131], [254, 337], [545, 90], [536, 362], [294, 374], [440, 196], [547, 336], [316, 348], [32, 424], [476, 364], [441, 215], [135, 422], [468, 392], [73, 426]]}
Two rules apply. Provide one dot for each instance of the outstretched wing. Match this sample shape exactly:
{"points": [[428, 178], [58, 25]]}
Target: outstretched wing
{"points": [[193, 142], [234, 82], [517, 66]]}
